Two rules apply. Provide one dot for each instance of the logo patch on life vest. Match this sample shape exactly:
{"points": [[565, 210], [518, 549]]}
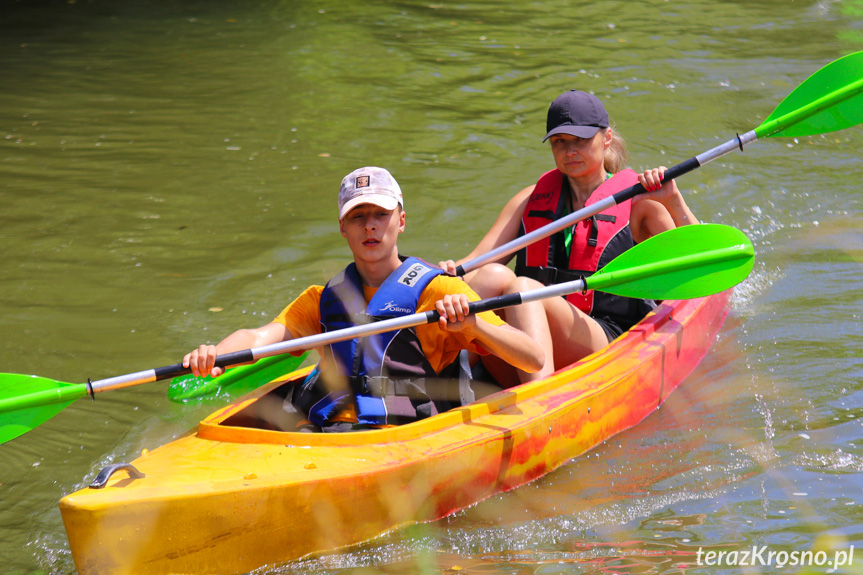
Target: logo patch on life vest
{"points": [[390, 306], [413, 274], [362, 182], [541, 196]]}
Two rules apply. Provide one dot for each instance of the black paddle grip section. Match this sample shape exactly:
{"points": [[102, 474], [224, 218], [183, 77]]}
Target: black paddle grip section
{"points": [[235, 358], [476, 307], [170, 371], [224, 360], [493, 303], [671, 173], [459, 271]]}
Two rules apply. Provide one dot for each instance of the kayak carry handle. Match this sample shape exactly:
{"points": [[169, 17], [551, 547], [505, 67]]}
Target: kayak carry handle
{"points": [[102, 479]]}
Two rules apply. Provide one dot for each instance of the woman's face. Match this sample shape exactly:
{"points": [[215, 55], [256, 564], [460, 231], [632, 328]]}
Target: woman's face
{"points": [[580, 157]]}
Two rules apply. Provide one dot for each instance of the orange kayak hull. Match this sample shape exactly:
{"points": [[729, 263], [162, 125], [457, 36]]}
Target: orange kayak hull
{"points": [[229, 499]]}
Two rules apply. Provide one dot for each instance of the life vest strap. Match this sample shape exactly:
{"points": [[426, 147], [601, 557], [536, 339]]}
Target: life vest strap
{"points": [[547, 214], [358, 318], [594, 227], [594, 232], [385, 386]]}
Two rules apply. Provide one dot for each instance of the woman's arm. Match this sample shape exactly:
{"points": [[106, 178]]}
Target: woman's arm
{"points": [[661, 208]]}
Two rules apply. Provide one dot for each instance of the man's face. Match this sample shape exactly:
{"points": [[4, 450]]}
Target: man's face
{"points": [[372, 231]]}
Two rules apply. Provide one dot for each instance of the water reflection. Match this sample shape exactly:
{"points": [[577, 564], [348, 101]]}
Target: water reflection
{"points": [[161, 160]]}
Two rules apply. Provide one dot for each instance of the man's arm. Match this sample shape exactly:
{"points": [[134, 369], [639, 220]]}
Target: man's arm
{"points": [[511, 345], [202, 361], [302, 315]]}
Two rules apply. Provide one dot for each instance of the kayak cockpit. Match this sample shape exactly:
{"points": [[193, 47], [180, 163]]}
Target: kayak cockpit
{"points": [[261, 416]]}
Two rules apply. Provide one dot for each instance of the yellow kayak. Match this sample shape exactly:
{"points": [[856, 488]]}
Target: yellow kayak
{"points": [[230, 497]]}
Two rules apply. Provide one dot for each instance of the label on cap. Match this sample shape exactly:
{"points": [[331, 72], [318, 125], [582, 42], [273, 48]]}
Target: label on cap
{"points": [[363, 182]]}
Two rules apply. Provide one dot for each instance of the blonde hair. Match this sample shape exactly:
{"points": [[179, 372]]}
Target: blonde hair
{"points": [[616, 154]]}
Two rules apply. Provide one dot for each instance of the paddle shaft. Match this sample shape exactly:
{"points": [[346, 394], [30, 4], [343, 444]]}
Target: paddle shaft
{"points": [[321, 339], [767, 129], [604, 204], [328, 338], [602, 281]]}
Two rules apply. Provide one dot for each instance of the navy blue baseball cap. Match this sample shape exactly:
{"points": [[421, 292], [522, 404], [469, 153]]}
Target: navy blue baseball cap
{"points": [[576, 113]]}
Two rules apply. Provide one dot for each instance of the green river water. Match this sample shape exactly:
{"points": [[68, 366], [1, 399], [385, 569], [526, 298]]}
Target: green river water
{"points": [[169, 171]]}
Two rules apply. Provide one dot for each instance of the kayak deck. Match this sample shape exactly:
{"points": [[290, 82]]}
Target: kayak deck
{"points": [[229, 499]]}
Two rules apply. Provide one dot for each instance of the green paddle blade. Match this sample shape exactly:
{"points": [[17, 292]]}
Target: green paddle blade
{"points": [[234, 382], [27, 401], [683, 263], [830, 99]]}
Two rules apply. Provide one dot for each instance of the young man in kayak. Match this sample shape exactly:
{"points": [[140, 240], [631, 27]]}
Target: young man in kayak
{"points": [[379, 380], [589, 157]]}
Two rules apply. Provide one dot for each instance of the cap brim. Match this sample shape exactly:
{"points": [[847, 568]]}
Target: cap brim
{"points": [[385, 202], [580, 131]]}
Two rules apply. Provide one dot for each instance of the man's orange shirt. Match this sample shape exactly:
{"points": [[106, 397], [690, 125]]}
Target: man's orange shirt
{"points": [[302, 317]]}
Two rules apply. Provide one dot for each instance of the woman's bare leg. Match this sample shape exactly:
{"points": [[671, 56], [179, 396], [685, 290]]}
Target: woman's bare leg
{"points": [[565, 333]]}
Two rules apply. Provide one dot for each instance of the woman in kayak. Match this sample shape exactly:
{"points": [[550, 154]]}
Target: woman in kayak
{"points": [[386, 378], [589, 157]]}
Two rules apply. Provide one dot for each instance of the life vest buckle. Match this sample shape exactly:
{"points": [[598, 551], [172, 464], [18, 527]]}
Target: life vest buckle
{"points": [[362, 318], [376, 386], [383, 386], [546, 275]]}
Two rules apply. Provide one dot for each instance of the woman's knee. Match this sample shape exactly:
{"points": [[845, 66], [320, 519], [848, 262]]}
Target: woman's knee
{"points": [[520, 283], [491, 280]]}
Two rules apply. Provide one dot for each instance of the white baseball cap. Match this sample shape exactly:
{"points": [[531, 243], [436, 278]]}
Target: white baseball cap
{"points": [[369, 185]]}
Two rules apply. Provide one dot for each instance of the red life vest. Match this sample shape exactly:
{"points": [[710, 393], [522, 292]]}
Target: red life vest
{"points": [[595, 242]]}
